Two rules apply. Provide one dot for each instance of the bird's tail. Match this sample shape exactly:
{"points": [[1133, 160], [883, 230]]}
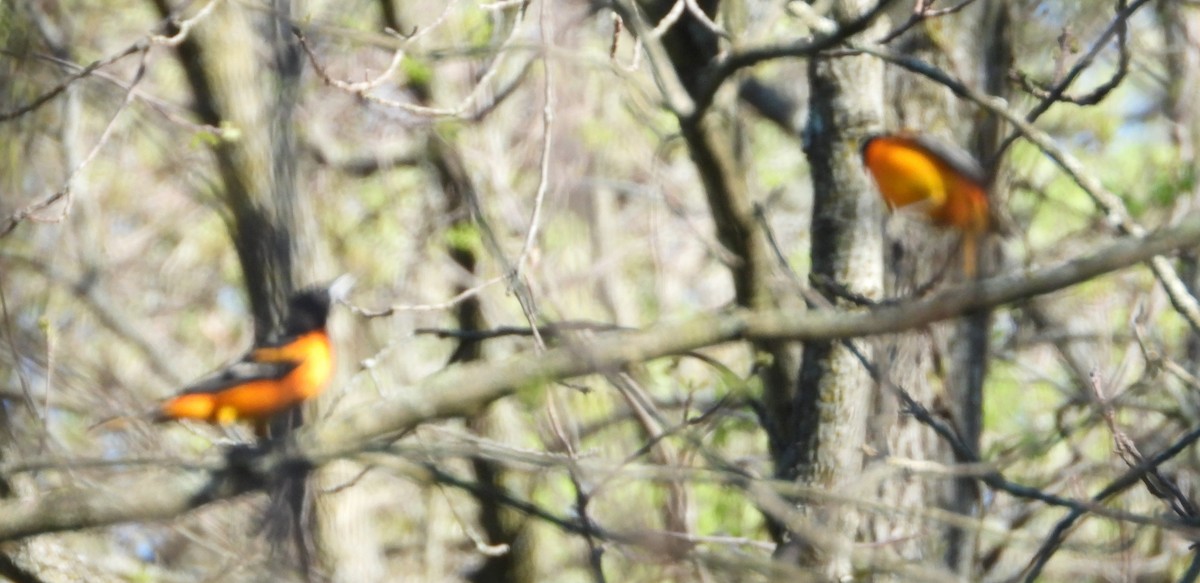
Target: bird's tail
{"points": [[118, 422], [970, 252]]}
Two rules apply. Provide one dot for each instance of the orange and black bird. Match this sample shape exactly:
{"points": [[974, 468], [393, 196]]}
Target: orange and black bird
{"points": [[947, 184], [270, 378]]}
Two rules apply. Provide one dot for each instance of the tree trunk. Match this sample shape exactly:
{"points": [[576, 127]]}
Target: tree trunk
{"points": [[923, 255], [254, 100], [832, 401]]}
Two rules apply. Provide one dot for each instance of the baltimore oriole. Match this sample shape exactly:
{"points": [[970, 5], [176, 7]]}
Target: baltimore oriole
{"points": [[271, 377], [947, 183]]}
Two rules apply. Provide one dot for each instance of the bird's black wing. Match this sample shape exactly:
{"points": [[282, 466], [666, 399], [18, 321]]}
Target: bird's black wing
{"points": [[243, 371], [957, 158]]}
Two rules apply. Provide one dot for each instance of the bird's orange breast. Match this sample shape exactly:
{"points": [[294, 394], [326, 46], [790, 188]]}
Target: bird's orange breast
{"points": [[260, 399], [315, 355], [908, 173]]}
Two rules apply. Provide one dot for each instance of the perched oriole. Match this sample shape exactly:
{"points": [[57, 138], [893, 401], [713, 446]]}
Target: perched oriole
{"points": [[945, 181], [270, 378]]}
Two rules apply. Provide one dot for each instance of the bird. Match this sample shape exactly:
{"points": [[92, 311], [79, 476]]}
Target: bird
{"points": [[271, 377], [941, 179]]}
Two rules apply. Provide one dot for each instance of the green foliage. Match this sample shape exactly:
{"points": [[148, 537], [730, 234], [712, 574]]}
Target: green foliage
{"points": [[478, 27], [417, 71], [205, 139], [1016, 407], [464, 237], [723, 512]]}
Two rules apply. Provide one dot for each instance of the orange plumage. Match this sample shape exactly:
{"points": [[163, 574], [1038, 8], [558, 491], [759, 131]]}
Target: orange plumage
{"points": [[270, 378], [945, 182]]}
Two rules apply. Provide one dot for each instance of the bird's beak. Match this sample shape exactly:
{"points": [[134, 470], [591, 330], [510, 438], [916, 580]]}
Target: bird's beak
{"points": [[339, 290]]}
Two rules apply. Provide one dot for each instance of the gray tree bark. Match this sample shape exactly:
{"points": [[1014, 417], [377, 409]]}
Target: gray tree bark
{"points": [[253, 99], [833, 397], [942, 366]]}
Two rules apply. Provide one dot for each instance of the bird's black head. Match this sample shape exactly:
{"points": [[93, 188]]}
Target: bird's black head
{"points": [[307, 311], [309, 308], [866, 141]]}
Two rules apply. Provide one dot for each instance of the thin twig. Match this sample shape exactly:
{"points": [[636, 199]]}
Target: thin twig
{"points": [[45, 98], [22, 377], [65, 192], [1124, 482], [733, 61], [923, 10], [550, 330], [1117, 27], [543, 165], [357, 88], [169, 111], [184, 27], [445, 305], [467, 108], [677, 97], [669, 19], [695, 11]]}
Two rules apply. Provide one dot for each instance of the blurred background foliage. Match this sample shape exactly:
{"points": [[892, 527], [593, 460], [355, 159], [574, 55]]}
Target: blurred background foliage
{"points": [[126, 288]]}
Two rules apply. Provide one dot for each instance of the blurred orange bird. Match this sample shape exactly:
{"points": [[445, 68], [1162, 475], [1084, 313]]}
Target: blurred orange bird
{"points": [[946, 182], [270, 378]]}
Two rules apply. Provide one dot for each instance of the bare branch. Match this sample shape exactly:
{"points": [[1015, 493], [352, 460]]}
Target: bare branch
{"points": [[466, 109], [64, 193], [184, 27], [679, 101], [450, 303], [478, 383], [733, 61], [138, 47], [1057, 93], [923, 10]]}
